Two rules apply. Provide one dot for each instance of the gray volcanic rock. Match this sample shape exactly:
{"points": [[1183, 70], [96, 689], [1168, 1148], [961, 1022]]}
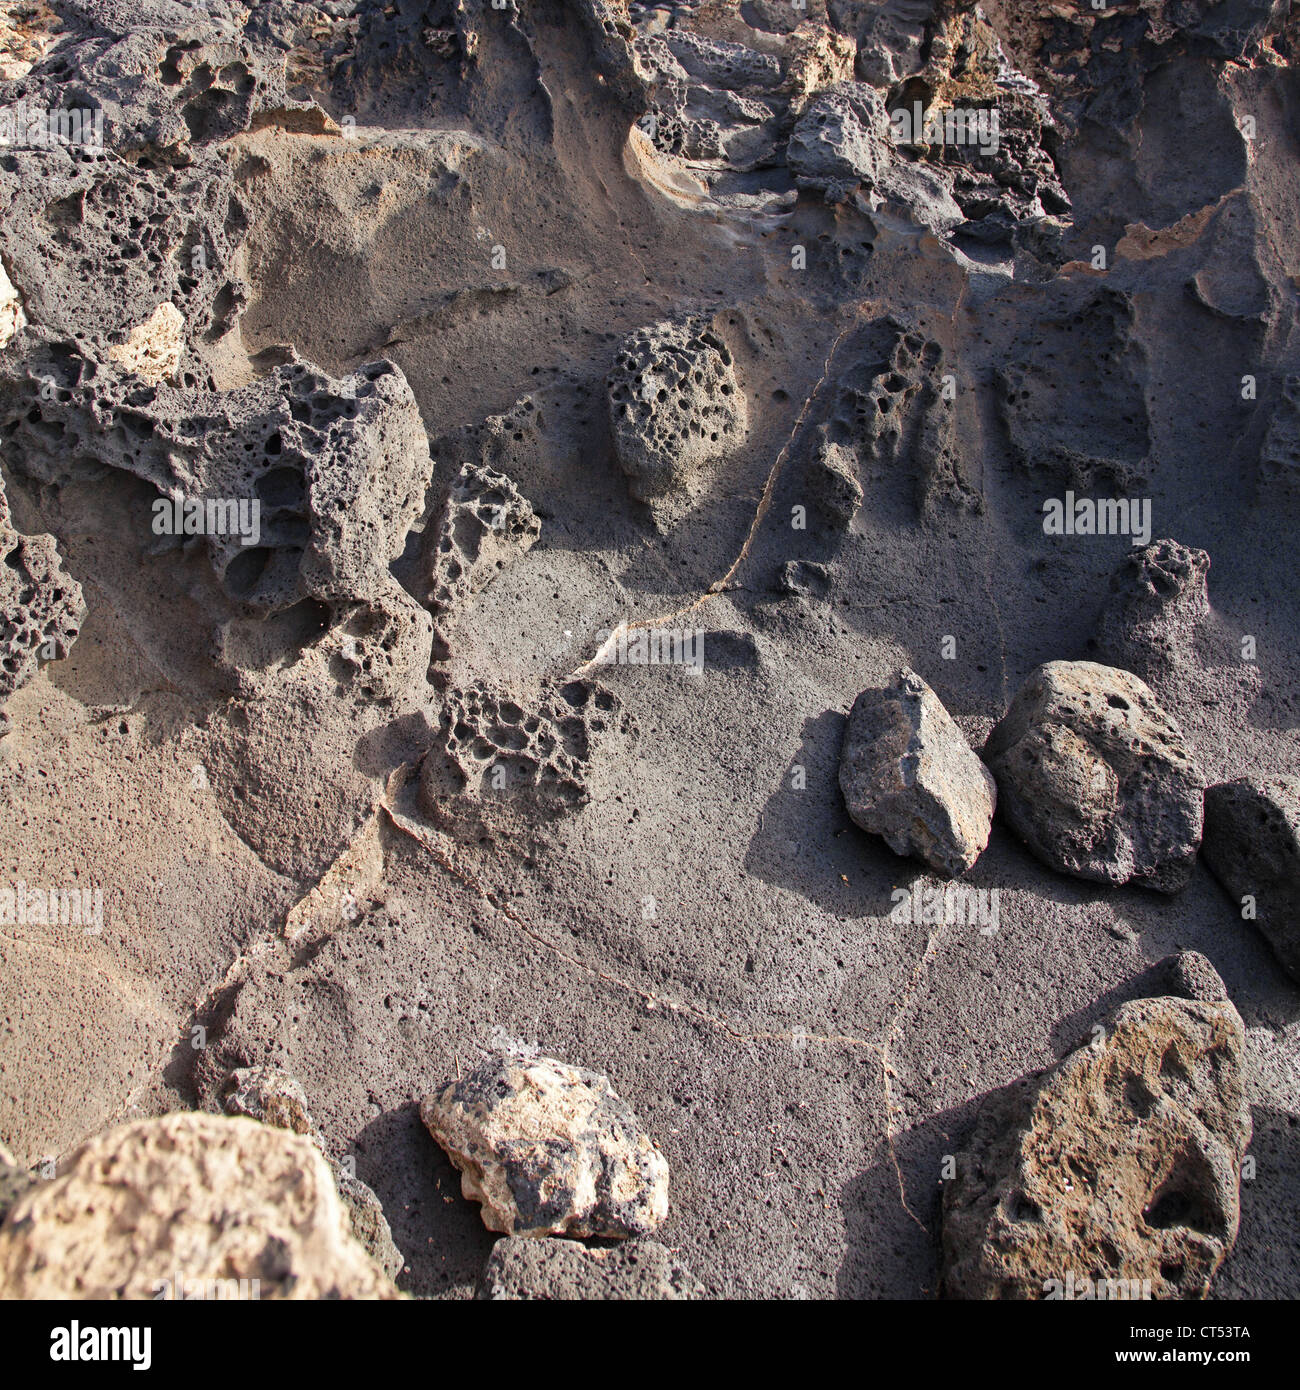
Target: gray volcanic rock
{"points": [[549, 1149], [503, 765], [14, 1181], [1252, 845], [675, 406], [842, 138], [1157, 603], [522, 1268], [41, 608], [202, 1196], [908, 775], [1096, 778], [1116, 1170]]}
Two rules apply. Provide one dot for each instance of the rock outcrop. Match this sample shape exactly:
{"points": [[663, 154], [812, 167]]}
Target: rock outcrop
{"points": [[1252, 845], [200, 1196], [908, 775], [1097, 779], [1116, 1171], [1157, 604], [549, 1149]]}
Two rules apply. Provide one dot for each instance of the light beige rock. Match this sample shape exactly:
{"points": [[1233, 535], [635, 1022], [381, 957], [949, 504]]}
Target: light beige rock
{"points": [[153, 349], [200, 1196], [549, 1149], [12, 318], [1114, 1175]]}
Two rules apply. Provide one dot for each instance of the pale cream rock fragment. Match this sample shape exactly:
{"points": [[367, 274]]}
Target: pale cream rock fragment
{"points": [[549, 1149], [12, 318], [153, 349], [192, 1196]]}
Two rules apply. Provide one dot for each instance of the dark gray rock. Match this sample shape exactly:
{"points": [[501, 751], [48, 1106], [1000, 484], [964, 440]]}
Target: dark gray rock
{"points": [[908, 775], [1096, 778], [524, 1268], [1252, 846]]}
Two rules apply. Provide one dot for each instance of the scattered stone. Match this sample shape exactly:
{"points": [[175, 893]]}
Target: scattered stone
{"points": [[1252, 846], [908, 775], [274, 1098], [202, 1196], [1116, 1170], [41, 607], [1189, 975], [153, 349], [524, 1268], [549, 1149], [1096, 778], [1157, 603], [675, 406], [803, 577]]}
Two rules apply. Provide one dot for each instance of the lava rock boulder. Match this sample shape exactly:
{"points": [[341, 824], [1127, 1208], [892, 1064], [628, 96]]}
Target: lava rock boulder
{"points": [[1097, 779], [909, 775]]}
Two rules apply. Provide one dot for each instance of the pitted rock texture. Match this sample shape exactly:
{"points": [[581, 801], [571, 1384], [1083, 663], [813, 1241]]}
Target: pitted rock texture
{"points": [[549, 1149], [909, 775], [275, 1098], [1157, 604], [484, 525], [523, 1269], [41, 606], [842, 138], [1097, 779], [675, 407], [1121, 1165], [503, 764], [1252, 845], [206, 1196]]}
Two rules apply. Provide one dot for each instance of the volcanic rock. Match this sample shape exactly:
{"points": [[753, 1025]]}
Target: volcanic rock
{"points": [[908, 775], [1096, 778], [1252, 845], [520, 1268], [1115, 1171], [549, 1149], [197, 1195]]}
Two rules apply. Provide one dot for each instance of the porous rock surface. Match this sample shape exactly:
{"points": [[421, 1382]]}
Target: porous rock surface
{"points": [[1157, 603], [522, 1269], [675, 406], [1096, 779], [909, 775], [202, 1195], [1120, 1166], [1252, 845], [549, 1149]]}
